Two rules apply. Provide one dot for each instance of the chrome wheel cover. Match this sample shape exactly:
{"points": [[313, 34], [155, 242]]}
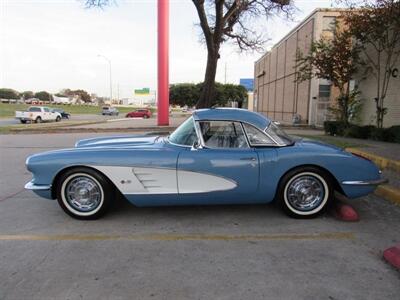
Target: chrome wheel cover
{"points": [[305, 193], [83, 194]]}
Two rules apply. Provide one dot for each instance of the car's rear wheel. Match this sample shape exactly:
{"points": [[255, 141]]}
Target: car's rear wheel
{"points": [[38, 120], [23, 121], [305, 192], [83, 193], [146, 116]]}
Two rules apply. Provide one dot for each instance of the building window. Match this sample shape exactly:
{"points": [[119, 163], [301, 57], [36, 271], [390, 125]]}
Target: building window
{"points": [[324, 91], [329, 24]]}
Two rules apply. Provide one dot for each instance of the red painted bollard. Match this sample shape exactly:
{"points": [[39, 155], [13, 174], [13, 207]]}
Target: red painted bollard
{"points": [[163, 63]]}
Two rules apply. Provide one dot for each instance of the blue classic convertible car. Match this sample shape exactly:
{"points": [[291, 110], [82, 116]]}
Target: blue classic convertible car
{"points": [[217, 156]]}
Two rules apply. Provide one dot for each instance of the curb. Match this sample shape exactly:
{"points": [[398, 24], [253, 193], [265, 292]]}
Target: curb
{"points": [[388, 192], [382, 162]]}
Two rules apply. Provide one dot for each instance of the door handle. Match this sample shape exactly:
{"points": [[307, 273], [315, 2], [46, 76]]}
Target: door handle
{"points": [[248, 158]]}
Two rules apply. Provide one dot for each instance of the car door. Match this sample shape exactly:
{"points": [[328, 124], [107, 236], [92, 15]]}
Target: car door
{"points": [[223, 163], [46, 114]]}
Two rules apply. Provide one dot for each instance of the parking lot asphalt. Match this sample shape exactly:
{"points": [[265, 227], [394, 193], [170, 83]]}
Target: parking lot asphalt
{"points": [[202, 252]]}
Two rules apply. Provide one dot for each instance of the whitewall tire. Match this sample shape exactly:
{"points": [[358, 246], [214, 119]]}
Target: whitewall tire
{"points": [[305, 192], [83, 193]]}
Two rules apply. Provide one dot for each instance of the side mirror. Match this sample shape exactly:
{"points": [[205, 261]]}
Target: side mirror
{"points": [[196, 145]]}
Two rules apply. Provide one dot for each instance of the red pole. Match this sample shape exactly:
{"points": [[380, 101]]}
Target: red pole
{"points": [[163, 57]]}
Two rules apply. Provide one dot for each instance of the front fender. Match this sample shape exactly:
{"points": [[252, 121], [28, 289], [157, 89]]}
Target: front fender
{"points": [[342, 165]]}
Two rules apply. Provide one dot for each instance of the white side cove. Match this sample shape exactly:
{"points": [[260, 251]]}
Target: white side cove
{"points": [[163, 181], [195, 182]]}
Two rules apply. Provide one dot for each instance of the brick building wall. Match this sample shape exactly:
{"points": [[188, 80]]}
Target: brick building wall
{"points": [[276, 94]]}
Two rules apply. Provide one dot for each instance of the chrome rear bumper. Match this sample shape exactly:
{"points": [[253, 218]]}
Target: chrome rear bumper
{"points": [[35, 187], [366, 182]]}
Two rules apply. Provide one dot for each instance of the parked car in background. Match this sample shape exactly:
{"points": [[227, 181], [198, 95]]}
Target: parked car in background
{"points": [[217, 156], [110, 111], [38, 114], [139, 113], [62, 112]]}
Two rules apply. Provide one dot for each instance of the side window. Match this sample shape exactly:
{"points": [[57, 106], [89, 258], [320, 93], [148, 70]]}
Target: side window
{"points": [[34, 109], [256, 137], [46, 109], [223, 134]]}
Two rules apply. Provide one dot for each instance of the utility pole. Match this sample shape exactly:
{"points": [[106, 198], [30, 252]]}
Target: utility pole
{"points": [[109, 63], [118, 92], [225, 71]]}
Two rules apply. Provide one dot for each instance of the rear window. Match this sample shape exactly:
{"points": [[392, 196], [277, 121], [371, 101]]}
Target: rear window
{"points": [[106, 108], [34, 109]]}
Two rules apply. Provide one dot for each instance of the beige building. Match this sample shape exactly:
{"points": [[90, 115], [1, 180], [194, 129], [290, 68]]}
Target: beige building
{"points": [[280, 97], [277, 94], [368, 87]]}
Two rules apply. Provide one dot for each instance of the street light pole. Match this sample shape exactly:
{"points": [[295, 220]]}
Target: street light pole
{"points": [[109, 63]]}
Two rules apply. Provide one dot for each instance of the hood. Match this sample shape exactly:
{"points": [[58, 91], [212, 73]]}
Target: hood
{"points": [[117, 141]]}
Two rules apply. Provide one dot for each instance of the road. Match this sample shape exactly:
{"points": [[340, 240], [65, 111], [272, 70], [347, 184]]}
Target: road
{"points": [[77, 117], [214, 252]]}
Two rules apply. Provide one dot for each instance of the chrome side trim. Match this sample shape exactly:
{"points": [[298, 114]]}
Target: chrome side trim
{"points": [[368, 182], [31, 186]]}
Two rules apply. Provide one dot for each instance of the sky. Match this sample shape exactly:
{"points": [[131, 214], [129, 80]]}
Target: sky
{"points": [[55, 44]]}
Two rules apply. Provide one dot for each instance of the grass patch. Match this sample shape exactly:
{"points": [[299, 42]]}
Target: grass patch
{"points": [[337, 141], [7, 110]]}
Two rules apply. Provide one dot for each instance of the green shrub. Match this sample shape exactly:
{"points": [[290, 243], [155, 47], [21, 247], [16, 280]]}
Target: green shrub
{"points": [[382, 134], [391, 134], [334, 127], [360, 132], [394, 132]]}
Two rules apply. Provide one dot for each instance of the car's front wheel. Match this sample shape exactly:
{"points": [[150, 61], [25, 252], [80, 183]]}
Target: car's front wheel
{"points": [[58, 119], [83, 193], [305, 192]]}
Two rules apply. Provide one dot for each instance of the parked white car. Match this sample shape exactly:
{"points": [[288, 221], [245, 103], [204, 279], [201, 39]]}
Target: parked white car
{"points": [[38, 114]]}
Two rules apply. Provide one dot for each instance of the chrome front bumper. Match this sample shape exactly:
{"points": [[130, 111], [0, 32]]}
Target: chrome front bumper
{"points": [[366, 182], [35, 187]]}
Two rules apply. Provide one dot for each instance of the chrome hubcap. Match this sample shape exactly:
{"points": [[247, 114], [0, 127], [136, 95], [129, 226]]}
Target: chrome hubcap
{"points": [[305, 193], [83, 194]]}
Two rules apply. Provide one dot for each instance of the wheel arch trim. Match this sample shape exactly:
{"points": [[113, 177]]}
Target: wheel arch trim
{"points": [[67, 168], [335, 182]]}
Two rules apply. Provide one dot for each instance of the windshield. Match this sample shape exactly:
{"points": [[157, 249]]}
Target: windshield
{"points": [[278, 135], [184, 134]]}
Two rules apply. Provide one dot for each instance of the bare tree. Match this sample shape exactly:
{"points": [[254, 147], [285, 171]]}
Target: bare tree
{"points": [[376, 27], [231, 20], [337, 60]]}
